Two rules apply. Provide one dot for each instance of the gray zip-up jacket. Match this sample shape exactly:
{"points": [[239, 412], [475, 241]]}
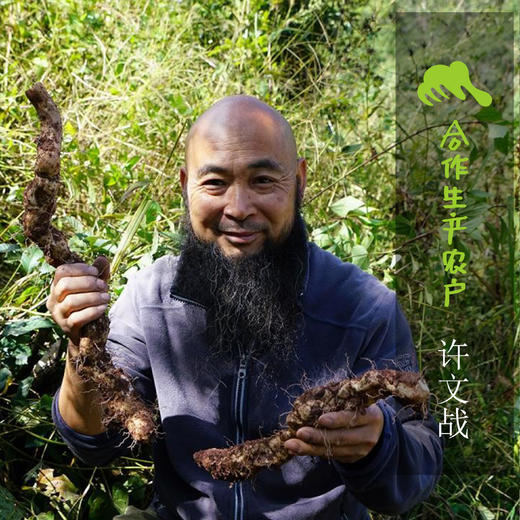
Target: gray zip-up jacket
{"points": [[352, 323]]}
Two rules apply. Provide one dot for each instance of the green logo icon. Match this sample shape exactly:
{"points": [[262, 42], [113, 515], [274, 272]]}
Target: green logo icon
{"points": [[452, 78]]}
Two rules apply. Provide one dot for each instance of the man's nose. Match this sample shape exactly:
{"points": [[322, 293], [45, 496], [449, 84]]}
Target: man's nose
{"points": [[239, 203]]}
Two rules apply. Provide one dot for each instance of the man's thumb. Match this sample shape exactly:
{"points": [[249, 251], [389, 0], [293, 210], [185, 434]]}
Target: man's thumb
{"points": [[102, 264]]}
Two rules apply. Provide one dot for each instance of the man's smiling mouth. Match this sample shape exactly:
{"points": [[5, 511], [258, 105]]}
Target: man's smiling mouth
{"points": [[240, 237]]}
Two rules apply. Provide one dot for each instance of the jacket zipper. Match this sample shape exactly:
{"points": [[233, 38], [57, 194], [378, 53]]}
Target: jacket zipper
{"points": [[239, 405]]}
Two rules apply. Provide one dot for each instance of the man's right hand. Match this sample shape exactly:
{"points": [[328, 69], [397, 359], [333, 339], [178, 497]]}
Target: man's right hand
{"points": [[79, 295]]}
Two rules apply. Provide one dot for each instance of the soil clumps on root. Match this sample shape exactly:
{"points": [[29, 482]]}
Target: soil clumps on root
{"points": [[245, 460], [122, 405]]}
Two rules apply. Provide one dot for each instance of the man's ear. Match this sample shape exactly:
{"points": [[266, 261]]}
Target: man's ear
{"points": [[183, 177], [301, 174]]}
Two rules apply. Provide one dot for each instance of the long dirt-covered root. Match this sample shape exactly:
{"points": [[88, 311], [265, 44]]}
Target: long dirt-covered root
{"points": [[244, 460], [357, 394], [122, 404], [40, 196]]}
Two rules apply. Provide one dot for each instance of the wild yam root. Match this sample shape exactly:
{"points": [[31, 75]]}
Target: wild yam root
{"points": [[123, 406], [243, 461]]}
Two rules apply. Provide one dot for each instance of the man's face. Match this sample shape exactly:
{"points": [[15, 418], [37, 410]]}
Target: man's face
{"points": [[241, 182]]}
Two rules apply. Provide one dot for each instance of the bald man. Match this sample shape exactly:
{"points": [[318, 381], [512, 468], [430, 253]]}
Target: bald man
{"points": [[227, 333]]}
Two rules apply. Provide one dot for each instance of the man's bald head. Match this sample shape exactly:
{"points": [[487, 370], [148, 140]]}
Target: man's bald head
{"points": [[233, 116], [243, 179]]}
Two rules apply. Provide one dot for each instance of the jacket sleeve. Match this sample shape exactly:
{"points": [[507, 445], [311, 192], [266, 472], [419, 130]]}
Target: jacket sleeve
{"points": [[127, 348], [93, 450], [404, 466]]}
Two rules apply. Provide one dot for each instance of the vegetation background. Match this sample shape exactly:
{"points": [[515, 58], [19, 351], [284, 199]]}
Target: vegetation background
{"points": [[129, 78]]}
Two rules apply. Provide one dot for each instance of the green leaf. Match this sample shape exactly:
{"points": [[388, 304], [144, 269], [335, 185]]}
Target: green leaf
{"points": [[415, 265], [45, 516], [69, 129], [476, 213], [56, 486], [495, 239], [26, 294], [31, 258], [6, 379], [17, 328], [497, 131], [9, 508], [428, 298], [179, 105], [100, 507], [478, 194], [135, 186], [120, 497], [360, 256], [351, 148], [136, 486], [132, 162], [22, 354], [489, 115], [485, 513], [502, 144], [152, 211], [344, 232], [459, 508], [24, 386], [91, 191], [461, 246], [403, 226], [473, 155], [128, 234], [344, 206], [45, 403], [119, 68], [8, 248]]}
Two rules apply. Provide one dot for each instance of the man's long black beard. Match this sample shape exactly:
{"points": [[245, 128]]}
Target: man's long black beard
{"points": [[252, 302]]}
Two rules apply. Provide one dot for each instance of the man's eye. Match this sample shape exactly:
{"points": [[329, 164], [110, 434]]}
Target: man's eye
{"points": [[214, 182], [264, 180]]}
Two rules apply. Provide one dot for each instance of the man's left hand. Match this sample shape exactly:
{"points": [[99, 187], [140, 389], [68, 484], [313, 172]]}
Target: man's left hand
{"points": [[344, 436]]}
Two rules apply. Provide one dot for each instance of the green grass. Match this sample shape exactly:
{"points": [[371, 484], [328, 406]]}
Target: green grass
{"points": [[130, 78]]}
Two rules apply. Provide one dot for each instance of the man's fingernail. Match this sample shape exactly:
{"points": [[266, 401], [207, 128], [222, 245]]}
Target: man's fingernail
{"points": [[326, 422], [101, 284], [304, 436]]}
